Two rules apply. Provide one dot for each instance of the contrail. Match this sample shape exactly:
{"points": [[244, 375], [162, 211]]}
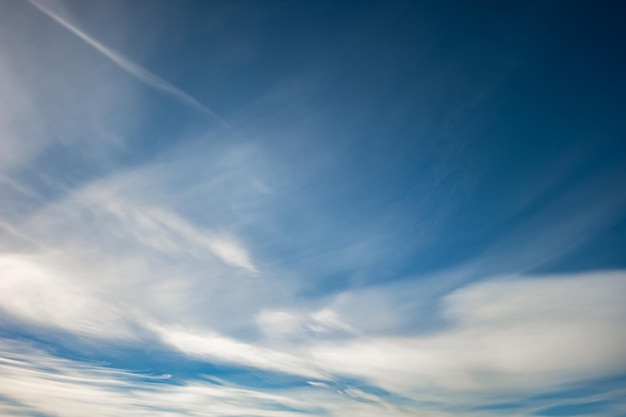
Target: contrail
{"points": [[140, 73]]}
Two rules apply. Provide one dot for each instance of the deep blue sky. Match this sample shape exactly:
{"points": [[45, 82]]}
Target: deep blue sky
{"points": [[338, 208]]}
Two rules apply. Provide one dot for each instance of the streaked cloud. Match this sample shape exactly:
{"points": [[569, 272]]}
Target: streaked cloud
{"points": [[361, 246], [217, 348], [135, 70], [44, 384], [501, 340], [520, 333]]}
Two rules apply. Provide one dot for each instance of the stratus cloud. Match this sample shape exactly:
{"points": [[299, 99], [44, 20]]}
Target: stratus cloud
{"points": [[135, 70]]}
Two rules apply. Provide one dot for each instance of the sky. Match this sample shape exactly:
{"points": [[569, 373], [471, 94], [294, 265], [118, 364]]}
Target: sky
{"points": [[312, 208]]}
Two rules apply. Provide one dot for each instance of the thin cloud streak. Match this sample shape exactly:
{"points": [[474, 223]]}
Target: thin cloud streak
{"points": [[137, 71], [43, 383]]}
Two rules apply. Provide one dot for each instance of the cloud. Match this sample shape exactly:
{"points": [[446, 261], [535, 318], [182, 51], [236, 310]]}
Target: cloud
{"points": [[228, 253], [49, 385], [98, 262], [297, 326], [132, 253], [217, 348], [159, 228], [40, 294], [514, 334], [517, 334], [45, 384], [277, 324], [510, 336], [328, 321], [138, 72]]}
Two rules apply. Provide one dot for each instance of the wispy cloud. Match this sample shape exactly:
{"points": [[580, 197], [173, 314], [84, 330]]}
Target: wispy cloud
{"points": [[164, 230], [138, 72], [490, 335], [304, 260], [114, 261], [502, 339], [217, 348], [44, 384]]}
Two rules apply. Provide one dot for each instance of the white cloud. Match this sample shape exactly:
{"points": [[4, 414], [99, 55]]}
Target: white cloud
{"points": [[218, 348], [230, 251], [361, 395], [42, 295], [328, 321], [300, 327], [41, 383], [46, 384], [514, 335], [159, 228], [519, 334], [114, 255], [100, 263], [277, 324]]}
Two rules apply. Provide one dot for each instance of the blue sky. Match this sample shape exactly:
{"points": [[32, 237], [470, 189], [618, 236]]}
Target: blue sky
{"points": [[295, 208]]}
